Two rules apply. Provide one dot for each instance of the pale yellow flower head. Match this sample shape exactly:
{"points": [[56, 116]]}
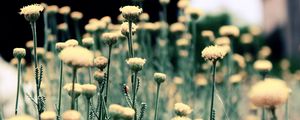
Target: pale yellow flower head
{"points": [[71, 43], [160, 77], [208, 34], [144, 17], [164, 2], [240, 60], [228, 30], [131, 12], [119, 112], [125, 28], [236, 78], [182, 4], [89, 90], [48, 115], [60, 46], [193, 12], [110, 38], [262, 65], [264, 52], [77, 89], [213, 53], [180, 118], [15, 61], [177, 27], [269, 93], [200, 80], [106, 19], [19, 53], [52, 9], [136, 64], [88, 41], [182, 109], [71, 115], [65, 10], [178, 80], [76, 15], [100, 62], [255, 30], [99, 76], [77, 56], [182, 42], [22, 117], [246, 38], [62, 26], [29, 44], [32, 12]]}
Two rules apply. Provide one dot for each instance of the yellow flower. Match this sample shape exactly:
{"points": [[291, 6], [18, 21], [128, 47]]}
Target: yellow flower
{"points": [[229, 30], [131, 12], [182, 109], [32, 12], [77, 56], [213, 53]]}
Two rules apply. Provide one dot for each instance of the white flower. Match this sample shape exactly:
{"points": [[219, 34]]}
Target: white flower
{"points": [[144, 17], [88, 41], [32, 12], [222, 41], [77, 56], [110, 38], [269, 93], [52, 9], [136, 64], [264, 52], [71, 115], [180, 118], [89, 90], [77, 89], [177, 27], [48, 115], [125, 28], [183, 4], [235, 78], [71, 43], [120, 112], [229, 30], [160, 77], [76, 15], [65, 10], [182, 42], [60, 46], [164, 2], [246, 38], [100, 62], [106, 19], [62, 26], [182, 109], [131, 12], [263, 65], [213, 53], [194, 13], [19, 53]]}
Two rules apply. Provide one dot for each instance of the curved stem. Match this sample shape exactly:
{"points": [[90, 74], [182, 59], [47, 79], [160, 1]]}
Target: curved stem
{"points": [[60, 88], [156, 101], [213, 92], [73, 86], [18, 85]]}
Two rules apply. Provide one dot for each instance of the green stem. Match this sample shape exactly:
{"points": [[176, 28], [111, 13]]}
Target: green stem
{"points": [[213, 91], [73, 87], [156, 101], [18, 85], [274, 117], [77, 32], [134, 94], [88, 109], [287, 110], [90, 75], [107, 71], [60, 89], [263, 115], [131, 53]]}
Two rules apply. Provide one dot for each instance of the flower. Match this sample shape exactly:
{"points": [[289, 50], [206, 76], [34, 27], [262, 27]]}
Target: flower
{"points": [[136, 64], [100, 62], [15, 61], [19, 53], [71, 115], [228, 30], [77, 56], [177, 27], [125, 28], [255, 30], [22, 117], [194, 13], [182, 4], [52, 9], [91, 27], [65, 10], [222, 41], [262, 65], [240, 60], [233, 79], [120, 112], [200, 80], [71, 43], [208, 34], [106, 19], [213, 53], [32, 12], [269, 93], [99, 76], [110, 38], [62, 26], [76, 15], [60, 46], [48, 115], [182, 42], [88, 42], [246, 38], [130, 13], [40, 52], [264, 52], [89, 90], [164, 2], [180, 118], [182, 109], [29, 44], [160, 77], [144, 17], [77, 89]]}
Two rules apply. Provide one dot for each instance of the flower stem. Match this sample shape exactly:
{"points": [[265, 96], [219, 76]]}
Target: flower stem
{"points": [[107, 71], [131, 53], [287, 110], [213, 91], [73, 86], [60, 87], [274, 117], [156, 101], [88, 109], [18, 85], [263, 115], [134, 94], [77, 32]]}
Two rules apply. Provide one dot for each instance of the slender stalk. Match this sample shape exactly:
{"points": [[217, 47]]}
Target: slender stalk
{"points": [[213, 92], [274, 117], [73, 86], [131, 53], [287, 110], [107, 71], [90, 75], [156, 101], [77, 32], [60, 87], [88, 109], [18, 85], [134, 94], [263, 114]]}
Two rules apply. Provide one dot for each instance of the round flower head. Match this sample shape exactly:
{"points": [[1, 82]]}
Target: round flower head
{"points": [[65, 10], [180, 118], [91, 27], [229, 30], [60, 46], [88, 42], [100, 62], [76, 15], [222, 41], [164, 2], [255, 30], [269, 93], [177, 27], [182, 4], [77, 89], [77, 56], [29, 44], [246, 38], [182, 42], [48, 115], [22, 117], [125, 28], [240, 60], [200, 80], [237, 78], [131, 13], [110, 38], [62, 26], [89, 90], [15, 61], [136, 64], [208, 34], [52, 9], [71, 115], [71, 43], [128, 113], [213, 53], [19, 53], [194, 13], [32, 12], [120, 112], [144, 17], [121, 18], [182, 109], [178, 80], [262, 65], [106, 20], [40, 52], [160, 77], [99, 76], [264, 52]]}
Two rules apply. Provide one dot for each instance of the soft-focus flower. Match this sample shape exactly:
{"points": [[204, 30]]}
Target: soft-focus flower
{"points": [[88, 42], [160, 77], [183, 19], [180, 118], [19, 53], [178, 80], [71, 43], [15, 61], [144, 17], [89, 90], [251, 117], [100, 62], [62, 26], [208, 34], [177, 27], [77, 56], [22, 117], [240, 60], [110, 38], [77, 89], [164, 2], [183, 53], [200, 80], [29, 44], [246, 38], [99, 76], [131, 12], [52, 9], [60, 46], [182, 4], [182, 42], [264, 52], [182, 109], [255, 30], [136, 64], [65, 10], [76, 15], [228, 30], [236, 78], [121, 18], [194, 13], [71, 115], [262, 65], [213, 53], [48, 115], [125, 28], [285, 64], [120, 112], [106, 19], [269, 93], [32, 12]]}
